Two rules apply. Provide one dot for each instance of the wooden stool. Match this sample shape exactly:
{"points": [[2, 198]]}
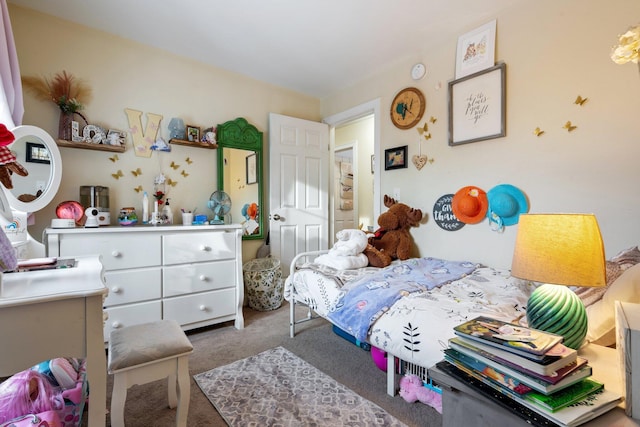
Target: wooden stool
{"points": [[143, 353]]}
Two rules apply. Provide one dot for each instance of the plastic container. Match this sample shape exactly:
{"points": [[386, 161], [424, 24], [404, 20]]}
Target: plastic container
{"points": [[263, 283], [145, 208]]}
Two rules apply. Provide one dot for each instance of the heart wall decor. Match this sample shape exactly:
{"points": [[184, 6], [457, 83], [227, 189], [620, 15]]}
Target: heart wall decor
{"points": [[419, 161]]}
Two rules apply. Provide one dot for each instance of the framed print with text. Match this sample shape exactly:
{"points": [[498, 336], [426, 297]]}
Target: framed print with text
{"points": [[477, 106]]}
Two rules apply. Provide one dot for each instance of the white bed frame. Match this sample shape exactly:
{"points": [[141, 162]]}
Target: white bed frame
{"points": [[392, 385]]}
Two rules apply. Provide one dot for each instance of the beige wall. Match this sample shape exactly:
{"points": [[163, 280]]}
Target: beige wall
{"points": [[123, 75], [554, 51]]}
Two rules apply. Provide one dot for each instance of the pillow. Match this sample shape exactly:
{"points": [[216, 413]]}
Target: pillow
{"points": [[601, 314]]}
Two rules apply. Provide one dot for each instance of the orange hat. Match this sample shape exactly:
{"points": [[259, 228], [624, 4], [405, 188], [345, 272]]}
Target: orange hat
{"points": [[6, 137], [470, 204]]}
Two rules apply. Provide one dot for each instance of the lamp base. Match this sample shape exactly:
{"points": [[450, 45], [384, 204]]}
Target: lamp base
{"points": [[558, 310]]}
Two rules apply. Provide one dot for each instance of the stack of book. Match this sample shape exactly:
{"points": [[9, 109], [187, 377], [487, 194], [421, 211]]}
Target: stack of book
{"points": [[531, 367]]}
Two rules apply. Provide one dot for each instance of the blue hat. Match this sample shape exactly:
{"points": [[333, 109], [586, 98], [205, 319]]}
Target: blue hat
{"points": [[506, 203]]}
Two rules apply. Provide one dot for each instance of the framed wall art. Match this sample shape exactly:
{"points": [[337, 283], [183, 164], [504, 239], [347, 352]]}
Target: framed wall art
{"points": [[476, 50], [37, 153], [477, 106], [252, 176], [193, 133], [395, 158]]}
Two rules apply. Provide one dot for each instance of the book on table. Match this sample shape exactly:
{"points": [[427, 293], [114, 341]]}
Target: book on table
{"points": [[551, 370], [590, 407], [481, 364], [527, 342], [566, 397]]}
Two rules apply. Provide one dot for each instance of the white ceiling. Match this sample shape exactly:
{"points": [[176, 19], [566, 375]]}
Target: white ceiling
{"points": [[315, 47]]}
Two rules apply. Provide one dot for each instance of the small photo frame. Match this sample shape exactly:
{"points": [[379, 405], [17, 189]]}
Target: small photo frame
{"points": [[252, 169], [477, 106], [395, 158], [193, 133], [476, 50], [37, 153]]}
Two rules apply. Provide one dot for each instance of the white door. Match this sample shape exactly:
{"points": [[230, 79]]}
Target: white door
{"points": [[298, 187]]}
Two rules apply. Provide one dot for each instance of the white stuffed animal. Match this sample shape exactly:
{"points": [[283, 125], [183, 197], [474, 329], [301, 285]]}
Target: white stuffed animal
{"points": [[350, 242]]}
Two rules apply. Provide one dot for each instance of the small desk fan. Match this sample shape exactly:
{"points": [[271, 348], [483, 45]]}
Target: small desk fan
{"points": [[220, 205]]}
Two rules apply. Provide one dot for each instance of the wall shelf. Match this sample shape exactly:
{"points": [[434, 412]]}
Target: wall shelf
{"points": [[91, 146], [193, 144]]}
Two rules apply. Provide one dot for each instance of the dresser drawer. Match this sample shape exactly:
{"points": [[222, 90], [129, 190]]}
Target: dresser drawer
{"points": [[181, 248], [200, 307], [118, 250], [134, 314], [186, 279], [127, 286]]}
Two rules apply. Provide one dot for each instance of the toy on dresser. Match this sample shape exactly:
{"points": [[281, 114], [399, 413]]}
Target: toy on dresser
{"points": [[52, 390]]}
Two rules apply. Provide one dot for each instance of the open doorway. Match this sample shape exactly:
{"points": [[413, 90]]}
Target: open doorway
{"points": [[359, 125]]}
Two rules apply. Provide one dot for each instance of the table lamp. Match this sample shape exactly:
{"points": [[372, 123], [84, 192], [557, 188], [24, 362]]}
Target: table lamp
{"points": [[559, 250]]}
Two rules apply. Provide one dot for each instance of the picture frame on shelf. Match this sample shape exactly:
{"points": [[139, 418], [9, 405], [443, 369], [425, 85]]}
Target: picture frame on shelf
{"points": [[476, 50], [395, 158], [251, 169], [477, 106], [37, 153], [193, 133]]}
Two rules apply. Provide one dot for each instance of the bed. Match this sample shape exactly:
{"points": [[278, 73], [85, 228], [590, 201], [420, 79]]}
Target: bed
{"points": [[409, 308]]}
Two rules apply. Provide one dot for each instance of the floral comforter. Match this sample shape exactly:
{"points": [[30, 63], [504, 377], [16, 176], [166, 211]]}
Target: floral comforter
{"points": [[417, 326]]}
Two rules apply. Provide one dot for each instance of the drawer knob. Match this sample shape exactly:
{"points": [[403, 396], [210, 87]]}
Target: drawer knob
{"points": [[205, 248], [116, 325], [203, 308], [116, 289], [116, 254], [202, 278]]}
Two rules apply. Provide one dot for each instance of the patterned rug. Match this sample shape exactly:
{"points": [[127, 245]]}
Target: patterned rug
{"points": [[277, 388]]}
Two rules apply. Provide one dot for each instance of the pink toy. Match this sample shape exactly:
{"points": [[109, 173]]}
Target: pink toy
{"points": [[412, 389], [379, 358], [27, 392]]}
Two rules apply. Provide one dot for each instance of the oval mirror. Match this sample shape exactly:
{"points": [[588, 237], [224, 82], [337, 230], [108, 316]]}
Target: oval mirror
{"points": [[38, 153], [240, 174]]}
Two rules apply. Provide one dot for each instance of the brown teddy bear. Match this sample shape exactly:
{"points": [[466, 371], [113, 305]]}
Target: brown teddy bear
{"points": [[392, 240]]}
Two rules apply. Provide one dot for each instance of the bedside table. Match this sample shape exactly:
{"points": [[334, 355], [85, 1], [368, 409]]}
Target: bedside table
{"points": [[462, 403]]}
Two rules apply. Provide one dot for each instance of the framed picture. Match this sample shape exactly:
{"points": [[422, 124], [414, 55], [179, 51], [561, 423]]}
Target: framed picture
{"points": [[476, 50], [395, 158], [37, 153], [252, 169], [477, 106], [193, 133]]}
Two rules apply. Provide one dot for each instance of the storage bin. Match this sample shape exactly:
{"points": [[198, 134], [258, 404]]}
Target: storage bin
{"points": [[263, 283]]}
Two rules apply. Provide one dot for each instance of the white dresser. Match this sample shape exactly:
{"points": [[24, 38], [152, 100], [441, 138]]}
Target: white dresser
{"points": [[192, 274]]}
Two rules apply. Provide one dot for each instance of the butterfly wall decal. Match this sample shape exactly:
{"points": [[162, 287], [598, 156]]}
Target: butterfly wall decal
{"points": [[114, 158], [171, 182], [423, 129], [184, 173], [538, 132], [137, 172], [174, 165], [188, 160], [118, 174], [433, 119], [570, 127], [138, 188], [580, 100]]}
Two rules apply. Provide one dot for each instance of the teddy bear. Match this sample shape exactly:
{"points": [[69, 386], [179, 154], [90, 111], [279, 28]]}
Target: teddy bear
{"points": [[412, 390], [392, 240]]}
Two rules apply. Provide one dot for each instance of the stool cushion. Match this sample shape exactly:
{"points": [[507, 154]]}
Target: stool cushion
{"points": [[138, 344]]}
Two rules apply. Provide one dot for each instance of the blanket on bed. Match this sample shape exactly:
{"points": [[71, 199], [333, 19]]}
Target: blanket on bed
{"points": [[366, 299]]}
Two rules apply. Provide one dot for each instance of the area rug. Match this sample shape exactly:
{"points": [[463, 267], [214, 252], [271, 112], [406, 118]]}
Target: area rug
{"points": [[277, 388]]}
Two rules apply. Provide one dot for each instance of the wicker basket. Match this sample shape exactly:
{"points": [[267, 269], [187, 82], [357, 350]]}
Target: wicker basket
{"points": [[263, 283]]}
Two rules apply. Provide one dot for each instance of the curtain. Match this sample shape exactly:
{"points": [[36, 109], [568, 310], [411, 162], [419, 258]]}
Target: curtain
{"points": [[11, 103]]}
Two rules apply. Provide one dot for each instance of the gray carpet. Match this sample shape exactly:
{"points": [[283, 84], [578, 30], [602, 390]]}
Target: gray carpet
{"points": [[315, 343], [277, 388]]}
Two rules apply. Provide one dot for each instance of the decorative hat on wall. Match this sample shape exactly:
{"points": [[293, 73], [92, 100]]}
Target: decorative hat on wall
{"points": [[470, 204], [506, 203]]}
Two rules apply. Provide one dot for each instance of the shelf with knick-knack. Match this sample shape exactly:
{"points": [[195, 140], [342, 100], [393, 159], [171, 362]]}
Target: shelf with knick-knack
{"points": [[91, 146], [198, 144]]}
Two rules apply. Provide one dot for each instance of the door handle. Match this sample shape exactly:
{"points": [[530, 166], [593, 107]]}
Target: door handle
{"points": [[276, 217]]}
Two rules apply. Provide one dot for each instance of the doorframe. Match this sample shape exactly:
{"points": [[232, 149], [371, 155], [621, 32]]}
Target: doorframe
{"points": [[354, 113], [353, 147]]}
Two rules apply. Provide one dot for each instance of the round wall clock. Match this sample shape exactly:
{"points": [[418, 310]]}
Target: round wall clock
{"points": [[407, 108]]}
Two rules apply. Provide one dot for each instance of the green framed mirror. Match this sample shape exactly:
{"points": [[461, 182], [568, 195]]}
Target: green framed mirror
{"points": [[240, 174]]}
